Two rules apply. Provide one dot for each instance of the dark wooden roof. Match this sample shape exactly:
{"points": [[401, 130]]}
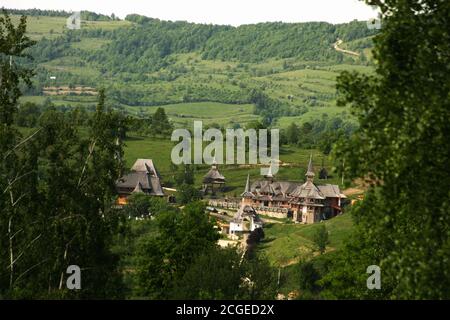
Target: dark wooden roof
{"points": [[213, 176], [143, 177]]}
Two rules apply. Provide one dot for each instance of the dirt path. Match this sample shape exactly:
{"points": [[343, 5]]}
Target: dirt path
{"points": [[336, 47], [352, 191]]}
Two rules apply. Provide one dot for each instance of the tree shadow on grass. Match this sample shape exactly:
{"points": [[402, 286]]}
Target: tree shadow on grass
{"points": [[267, 240]]}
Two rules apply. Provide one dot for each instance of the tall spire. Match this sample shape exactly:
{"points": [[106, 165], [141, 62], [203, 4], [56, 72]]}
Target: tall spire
{"points": [[247, 185], [247, 192], [214, 162], [269, 174], [310, 172]]}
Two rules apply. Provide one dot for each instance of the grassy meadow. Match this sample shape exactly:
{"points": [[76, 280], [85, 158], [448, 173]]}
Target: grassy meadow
{"points": [[286, 245], [294, 163]]}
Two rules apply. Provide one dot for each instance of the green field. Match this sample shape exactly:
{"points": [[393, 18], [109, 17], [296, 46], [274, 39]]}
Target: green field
{"points": [[312, 90], [295, 163], [188, 87], [184, 114], [313, 114], [286, 244]]}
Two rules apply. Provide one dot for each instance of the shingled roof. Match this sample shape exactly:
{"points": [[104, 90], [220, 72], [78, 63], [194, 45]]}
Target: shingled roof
{"points": [[143, 177], [331, 191], [245, 211], [273, 187], [286, 189], [308, 190], [213, 175]]}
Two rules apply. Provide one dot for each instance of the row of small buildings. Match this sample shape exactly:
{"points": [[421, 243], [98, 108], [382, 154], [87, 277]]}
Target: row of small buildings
{"points": [[304, 202]]}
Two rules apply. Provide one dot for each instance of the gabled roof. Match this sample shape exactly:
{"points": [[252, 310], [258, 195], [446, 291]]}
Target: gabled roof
{"points": [[294, 189], [308, 190], [245, 211], [331, 191], [145, 165], [143, 177], [275, 187], [138, 188], [269, 189]]}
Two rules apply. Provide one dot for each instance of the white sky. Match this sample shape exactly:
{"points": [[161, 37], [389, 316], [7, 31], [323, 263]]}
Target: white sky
{"points": [[234, 12]]}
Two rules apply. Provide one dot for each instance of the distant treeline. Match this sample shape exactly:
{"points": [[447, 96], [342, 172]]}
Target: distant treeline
{"points": [[85, 15], [30, 115], [319, 133]]}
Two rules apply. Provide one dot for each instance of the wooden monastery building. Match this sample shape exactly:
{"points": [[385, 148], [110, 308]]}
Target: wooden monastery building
{"points": [[304, 202], [142, 178]]}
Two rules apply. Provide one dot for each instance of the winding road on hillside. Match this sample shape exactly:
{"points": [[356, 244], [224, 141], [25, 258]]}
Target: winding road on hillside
{"points": [[336, 47]]}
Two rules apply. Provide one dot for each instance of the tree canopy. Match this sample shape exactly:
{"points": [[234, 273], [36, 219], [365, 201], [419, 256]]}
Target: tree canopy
{"points": [[401, 149]]}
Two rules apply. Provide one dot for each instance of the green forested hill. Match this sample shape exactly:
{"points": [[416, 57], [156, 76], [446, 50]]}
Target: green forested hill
{"points": [[144, 62]]}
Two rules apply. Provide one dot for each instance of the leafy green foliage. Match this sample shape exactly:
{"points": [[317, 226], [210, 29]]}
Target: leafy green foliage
{"points": [[402, 149], [58, 190], [321, 239], [27, 115], [310, 41], [85, 15], [142, 205], [215, 274], [320, 133], [308, 276], [187, 193], [182, 237], [160, 123], [223, 274]]}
